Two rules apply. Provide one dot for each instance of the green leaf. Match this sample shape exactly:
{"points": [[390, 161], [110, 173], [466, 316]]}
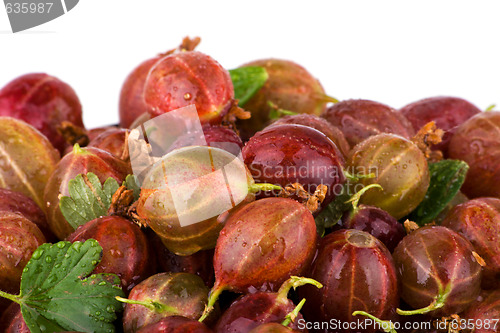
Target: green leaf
{"points": [[131, 183], [57, 293], [88, 199], [247, 81], [447, 176], [332, 213]]}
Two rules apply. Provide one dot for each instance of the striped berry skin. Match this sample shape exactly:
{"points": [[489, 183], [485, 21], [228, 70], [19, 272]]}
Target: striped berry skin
{"points": [[399, 167], [182, 294], [114, 141], [433, 261], [16, 202], [357, 273], [272, 328], [19, 238], [477, 142], [359, 119], [132, 104], [447, 112], [375, 221], [44, 102], [12, 320], [176, 324], [290, 87], [287, 154], [264, 243], [485, 312], [126, 252], [478, 221], [320, 124], [27, 159], [186, 78], [79, 161]]}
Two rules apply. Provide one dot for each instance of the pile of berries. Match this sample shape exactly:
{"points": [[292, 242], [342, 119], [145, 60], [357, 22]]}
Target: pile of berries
{"points": [[332, 206]]}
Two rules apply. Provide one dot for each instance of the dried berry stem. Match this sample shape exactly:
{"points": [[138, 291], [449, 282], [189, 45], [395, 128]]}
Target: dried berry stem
{"points": [[290, 318], [312, 202], [294, 282], [188, 44], [212, 298], [317, 198], [150, 304], [428, 136], [235, 112], [356, 197], [479, 259], [121, 201], [410, 226], [386, 325], [73, 134]]}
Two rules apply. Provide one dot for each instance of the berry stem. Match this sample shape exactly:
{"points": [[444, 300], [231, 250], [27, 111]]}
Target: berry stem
{"points": [[326, 98], [276, 112], [212, 298], [77, 149], [257, 187], [150, 304], [356, 197], [294, 282], [13, 298], [438, 303], [491, 107], [290, 318], [386, 325], [356, 177]]}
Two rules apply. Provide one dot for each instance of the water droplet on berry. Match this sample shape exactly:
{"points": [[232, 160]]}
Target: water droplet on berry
{"points": [[477, 147]]}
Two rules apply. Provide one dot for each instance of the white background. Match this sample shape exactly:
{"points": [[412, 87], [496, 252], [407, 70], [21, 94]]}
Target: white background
{"points": [[394, 52]]}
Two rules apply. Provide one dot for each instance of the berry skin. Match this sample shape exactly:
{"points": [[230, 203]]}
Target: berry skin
{"points": [[44, 102], [399, 167], [186, 78], [359, 119], [446, 112], [290, 87], [435, 263], [132, 104], [478, 221], [357, 273], [477, 142], [288, 154]]}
